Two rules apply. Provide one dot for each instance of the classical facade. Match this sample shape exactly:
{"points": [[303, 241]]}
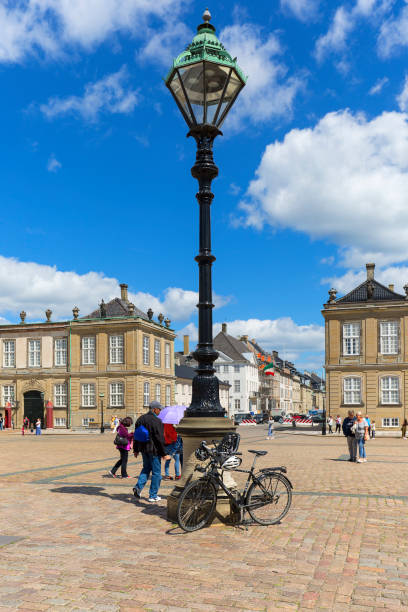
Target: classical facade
{"points": [[184, 385], [367, 352], [115, 360]]}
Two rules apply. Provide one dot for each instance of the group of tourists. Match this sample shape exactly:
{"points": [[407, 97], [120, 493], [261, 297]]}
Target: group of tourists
{"points": [[154, 441], [28, 425], [358, 430]]}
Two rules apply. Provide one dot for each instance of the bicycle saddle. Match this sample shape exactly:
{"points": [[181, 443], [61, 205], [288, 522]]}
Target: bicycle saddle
{"points": [[258, 452]]}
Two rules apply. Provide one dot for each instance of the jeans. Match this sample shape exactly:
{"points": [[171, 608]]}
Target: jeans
{"points": [[176, 458], [270, 431], [361, 448], [38, 431], [122, 463], [151, 463], [352, 446]]}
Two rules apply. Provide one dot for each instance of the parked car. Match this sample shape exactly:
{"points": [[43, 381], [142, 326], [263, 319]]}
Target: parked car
{"points": [[260, 418], [238, 418], [278, 418], [317, 419]]}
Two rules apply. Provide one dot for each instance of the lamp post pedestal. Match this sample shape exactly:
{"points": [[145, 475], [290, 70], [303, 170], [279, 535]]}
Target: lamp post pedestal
{"points": [[193, 430]]}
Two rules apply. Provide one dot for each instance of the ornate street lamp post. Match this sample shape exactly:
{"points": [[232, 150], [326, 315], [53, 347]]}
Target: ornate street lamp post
{"points": [[102, 395], [205, 81]]}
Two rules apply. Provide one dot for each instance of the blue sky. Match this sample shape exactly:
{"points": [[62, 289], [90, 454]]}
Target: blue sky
{"points": [[95, 164]]}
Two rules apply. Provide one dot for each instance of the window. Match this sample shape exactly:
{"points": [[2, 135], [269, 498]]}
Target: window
{"points": [[88, 395], [389, 390], [116, 394], [8, 394], [9, 353], [226, 368], [352, 390], [168, 395], [88, 350], [60, 422], [390, 422], [116, 349], [158, 393], [389, 337], [157, 353], [60, 395], [60, 352], [236, 368], [167, 363], [146, 394], [351, 338], [86, 421], [237, 386], [146, 350], [34, 353], [237, 404], [185, 389]]}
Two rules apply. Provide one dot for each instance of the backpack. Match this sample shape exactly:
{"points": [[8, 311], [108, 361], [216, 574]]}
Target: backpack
{"points": [[141, 434]]}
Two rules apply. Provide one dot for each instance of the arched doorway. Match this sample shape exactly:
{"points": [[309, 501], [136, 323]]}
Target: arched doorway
{"points": [[34, 406]]}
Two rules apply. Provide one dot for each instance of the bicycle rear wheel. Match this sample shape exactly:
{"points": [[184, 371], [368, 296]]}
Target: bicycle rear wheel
{"points": [[196, 505], [269, 503]]}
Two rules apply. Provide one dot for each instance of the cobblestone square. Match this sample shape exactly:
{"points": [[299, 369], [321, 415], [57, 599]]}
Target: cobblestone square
{"points": [[73, 539]]}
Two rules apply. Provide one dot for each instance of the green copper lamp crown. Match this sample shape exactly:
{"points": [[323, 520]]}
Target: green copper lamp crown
{"points": [[204, 80]]}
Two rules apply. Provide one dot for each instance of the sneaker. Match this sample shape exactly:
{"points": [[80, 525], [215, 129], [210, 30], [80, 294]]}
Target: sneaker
{"points": [[137, 492], [167, 477], [359, 460], [365, 459], [155, 499], [111, 474], [177, 477], [125, 476]]}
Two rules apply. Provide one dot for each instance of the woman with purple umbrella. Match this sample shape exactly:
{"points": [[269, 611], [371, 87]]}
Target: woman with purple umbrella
{"points": [[172, 415]]}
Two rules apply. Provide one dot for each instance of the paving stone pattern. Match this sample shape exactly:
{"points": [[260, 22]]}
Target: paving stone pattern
{"points": [[86, 544]]}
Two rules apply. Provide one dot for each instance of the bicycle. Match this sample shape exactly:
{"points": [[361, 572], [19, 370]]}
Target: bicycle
{"points": [[267, 495]]}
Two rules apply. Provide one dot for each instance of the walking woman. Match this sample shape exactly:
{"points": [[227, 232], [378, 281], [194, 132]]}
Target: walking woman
{"points": [[123, 443], [361, 437], [404, 428]]}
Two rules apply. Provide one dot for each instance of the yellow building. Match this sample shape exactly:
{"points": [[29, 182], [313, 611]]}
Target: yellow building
{"points": [[367, 352], [117, 359]]}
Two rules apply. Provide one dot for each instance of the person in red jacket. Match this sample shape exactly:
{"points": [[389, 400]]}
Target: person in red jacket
{"points": [[170, 438]]}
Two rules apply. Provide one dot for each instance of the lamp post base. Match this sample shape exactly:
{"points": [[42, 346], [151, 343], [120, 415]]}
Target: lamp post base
{"points": [[194, 430]]}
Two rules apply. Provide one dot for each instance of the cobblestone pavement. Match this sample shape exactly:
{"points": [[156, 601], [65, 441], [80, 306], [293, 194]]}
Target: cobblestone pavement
{"points": [[72, 539]]}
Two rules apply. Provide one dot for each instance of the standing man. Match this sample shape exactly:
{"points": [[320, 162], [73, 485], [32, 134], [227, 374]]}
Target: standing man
{"points": [[350, 435], [151, 428]]}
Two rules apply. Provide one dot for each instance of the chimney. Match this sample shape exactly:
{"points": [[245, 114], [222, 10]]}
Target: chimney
{"points": [[275, 354], [370, 271], [186, 345], [391, 287], [123, 292], [224, 328]]}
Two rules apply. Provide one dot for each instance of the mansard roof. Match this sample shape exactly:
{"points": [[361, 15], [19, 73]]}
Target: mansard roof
{"points": [[117, 308], [361, 293]]}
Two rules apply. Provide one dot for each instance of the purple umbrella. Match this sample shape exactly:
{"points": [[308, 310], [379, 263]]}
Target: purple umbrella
{"points": [[172, 415]]}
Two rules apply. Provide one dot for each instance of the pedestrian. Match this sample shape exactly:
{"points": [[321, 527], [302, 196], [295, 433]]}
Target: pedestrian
{"points": [[348, 431], [270, 427], [123, 442], [361, 436], [404, 428], [170, 438], [26, 423], [338, 424], [373, 429], [116, 422], [330, 424], [369, 425], [38, 427], [1, 422], [22, 429], [112, 424], [149, 440]]}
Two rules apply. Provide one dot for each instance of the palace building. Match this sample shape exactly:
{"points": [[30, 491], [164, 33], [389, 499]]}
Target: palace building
{"points": [[366, 335], [113, 361]]}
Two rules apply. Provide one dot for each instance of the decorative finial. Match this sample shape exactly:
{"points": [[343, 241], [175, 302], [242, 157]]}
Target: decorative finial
{"points": [[102, 308], [75, 312], [48, 314], [131, 309], [406, 291], [332, 294], [206, 15], [23, 315], [167, 322], [161, 317], [150, 314]]}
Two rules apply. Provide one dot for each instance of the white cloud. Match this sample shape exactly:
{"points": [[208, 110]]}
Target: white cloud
{"points": [[302, 9], [34, 287], [108, 95], [378, 86], [269, 92], [395, 275], [402, 98], [164, 44], [393, 34], [283, 334], [345, 21], [53, 165], [48, 27], [345, 180]]}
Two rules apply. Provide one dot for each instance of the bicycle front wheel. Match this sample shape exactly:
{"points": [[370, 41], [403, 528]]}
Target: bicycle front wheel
{"points": [[269, 500], [196, 505]]}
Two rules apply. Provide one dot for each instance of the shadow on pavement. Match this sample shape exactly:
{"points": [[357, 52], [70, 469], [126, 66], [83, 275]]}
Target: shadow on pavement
{"points": [[147, 507]]}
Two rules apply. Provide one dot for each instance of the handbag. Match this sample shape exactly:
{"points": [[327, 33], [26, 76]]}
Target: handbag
{"points": [[120, 441]]}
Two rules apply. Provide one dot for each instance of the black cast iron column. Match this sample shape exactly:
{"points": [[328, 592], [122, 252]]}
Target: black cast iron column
{"points": [[205, 398]]}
